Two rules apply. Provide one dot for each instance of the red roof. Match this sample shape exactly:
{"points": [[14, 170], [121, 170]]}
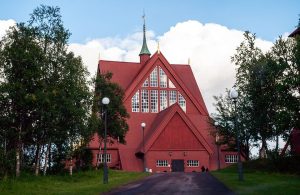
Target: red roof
{"points": [[123, 72]]}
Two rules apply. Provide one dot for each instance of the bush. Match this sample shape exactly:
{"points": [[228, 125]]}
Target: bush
{"points": [[288, 164]]}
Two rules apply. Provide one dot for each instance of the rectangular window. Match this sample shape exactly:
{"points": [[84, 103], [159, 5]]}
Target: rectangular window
{"points": [[182, 102], [145, 100], [153, 78], [162, 163], [101, 158], [162, 78], [154, 100], [231, 158], [172, 97], [193, 163], [163, 100], [135, 103]]}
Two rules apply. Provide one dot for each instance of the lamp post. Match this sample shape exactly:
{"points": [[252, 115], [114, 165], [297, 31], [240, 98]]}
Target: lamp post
{"points": [[218, 145], [143, 125], [233, 94], [105, 102]]}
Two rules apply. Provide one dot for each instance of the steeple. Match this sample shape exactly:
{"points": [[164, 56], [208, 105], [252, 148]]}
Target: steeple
{"points": [[144, 54]]}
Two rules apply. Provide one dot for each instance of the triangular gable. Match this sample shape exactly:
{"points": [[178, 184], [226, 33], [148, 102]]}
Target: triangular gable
{"points": [[177, 136], [137, 82], [163, 121]]}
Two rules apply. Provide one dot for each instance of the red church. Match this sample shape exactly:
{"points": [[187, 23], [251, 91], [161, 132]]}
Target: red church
{"points": [[169, 128]]}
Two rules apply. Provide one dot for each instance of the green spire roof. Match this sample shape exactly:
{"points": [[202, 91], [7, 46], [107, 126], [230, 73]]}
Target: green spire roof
{"points": [[144, 49]]}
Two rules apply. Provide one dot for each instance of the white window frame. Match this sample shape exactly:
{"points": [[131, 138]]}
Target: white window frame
{"points": [[145, 100], [172, 97], [154, 101], [146, 83], [101, 159], [135, 102], [163, 79], [154, 78], [231, 158], [193, 163], [182, 102], [171, 85], [163, 97], [162, 163]]}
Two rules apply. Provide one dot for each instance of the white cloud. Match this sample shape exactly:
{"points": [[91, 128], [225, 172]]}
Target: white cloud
{"points": [[4, 26], [209, 46]]}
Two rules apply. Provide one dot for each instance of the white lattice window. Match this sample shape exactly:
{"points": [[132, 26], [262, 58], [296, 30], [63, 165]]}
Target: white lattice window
{"points": [[162, 163], [100, 158], [162, 78], [145, 100], [154, 100], [163, 100], [153, 78], [193, 163], [135, 103], [146, 83], [231, 158], [171, 85], [182, 102], [172, 97]]}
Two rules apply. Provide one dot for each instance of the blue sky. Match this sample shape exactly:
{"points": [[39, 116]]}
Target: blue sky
{"points": [[206, 32], [102, 18]]}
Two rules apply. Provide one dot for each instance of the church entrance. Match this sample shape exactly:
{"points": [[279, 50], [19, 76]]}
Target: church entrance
{"points": [[177, 165]]}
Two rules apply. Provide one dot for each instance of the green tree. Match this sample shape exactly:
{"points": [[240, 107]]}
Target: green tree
{"points": [[20, 59], [224, 121], [268, 86], [116, 111], [45, 99]]}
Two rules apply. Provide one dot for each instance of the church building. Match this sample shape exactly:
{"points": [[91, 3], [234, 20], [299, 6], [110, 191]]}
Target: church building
{"points": [[169, 125]]}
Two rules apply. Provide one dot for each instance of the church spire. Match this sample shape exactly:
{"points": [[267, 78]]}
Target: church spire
{"points": [[144, 54]]}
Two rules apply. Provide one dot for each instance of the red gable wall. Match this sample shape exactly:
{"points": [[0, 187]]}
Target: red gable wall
{"points": [[176, 136]]}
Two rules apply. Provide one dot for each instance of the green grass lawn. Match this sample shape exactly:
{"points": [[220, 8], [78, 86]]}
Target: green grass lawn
{"points": [[258, 182], [89, 182]]}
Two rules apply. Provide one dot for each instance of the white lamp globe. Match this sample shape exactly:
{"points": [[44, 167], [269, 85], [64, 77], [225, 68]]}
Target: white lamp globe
{"points": [[105, 100]]}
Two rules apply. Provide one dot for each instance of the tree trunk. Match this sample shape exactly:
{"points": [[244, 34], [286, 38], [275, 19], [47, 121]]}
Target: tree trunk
{"points": [[71, 160], [263, 149], [18, 152], [37, 160], [277, 145], [71, 166], [47, 158]]}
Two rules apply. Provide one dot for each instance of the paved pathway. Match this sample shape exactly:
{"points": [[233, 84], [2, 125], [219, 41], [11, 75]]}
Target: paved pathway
{"points": [[175, 183]]}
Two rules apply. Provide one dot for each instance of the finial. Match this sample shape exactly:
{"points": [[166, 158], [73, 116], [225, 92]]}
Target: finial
{"points": [[158, 50], [144, 49], [189, 61], [144, 16]]}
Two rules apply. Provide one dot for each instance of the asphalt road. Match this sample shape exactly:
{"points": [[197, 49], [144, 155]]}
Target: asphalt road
{"points": [[175, 183]]}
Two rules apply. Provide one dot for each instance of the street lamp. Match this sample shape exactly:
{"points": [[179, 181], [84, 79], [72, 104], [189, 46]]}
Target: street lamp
{"points": [[143, 125], [105, 102], [233, 94], [218, 144]]}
